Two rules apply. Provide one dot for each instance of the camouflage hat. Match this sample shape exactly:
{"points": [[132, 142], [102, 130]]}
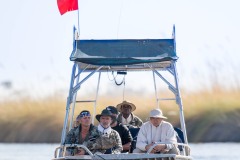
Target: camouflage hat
{"points": [[105, 112]]}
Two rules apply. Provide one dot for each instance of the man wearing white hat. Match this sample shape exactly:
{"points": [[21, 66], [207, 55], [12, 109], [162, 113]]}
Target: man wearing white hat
{"points": [[126, 117], [156, 131]]}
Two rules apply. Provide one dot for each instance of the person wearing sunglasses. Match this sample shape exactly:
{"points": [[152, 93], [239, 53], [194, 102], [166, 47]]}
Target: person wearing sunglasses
{"points": [[85, 133]]}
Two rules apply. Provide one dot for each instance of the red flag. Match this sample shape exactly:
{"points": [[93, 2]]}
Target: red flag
{"points": [[67, 5]]}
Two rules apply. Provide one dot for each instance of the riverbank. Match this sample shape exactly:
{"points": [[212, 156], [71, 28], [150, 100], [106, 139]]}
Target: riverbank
{"points": [[211, 116]]}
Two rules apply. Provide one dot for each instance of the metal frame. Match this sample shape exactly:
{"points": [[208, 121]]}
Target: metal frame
{"points": [[156, 67], [76, 83]]}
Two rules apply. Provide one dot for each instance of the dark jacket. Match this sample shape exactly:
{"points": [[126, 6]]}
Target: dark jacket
{"points": [[124, 133]]}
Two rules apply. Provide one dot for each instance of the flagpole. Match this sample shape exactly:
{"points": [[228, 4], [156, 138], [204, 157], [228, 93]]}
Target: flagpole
{"points": [[78, 22]]}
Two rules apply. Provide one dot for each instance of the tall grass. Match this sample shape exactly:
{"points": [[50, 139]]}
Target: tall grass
{"points": [[31, 120], [28, 120], [216, 100], [213, 116]]}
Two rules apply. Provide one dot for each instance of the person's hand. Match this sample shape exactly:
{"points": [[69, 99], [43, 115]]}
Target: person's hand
{"points": [[160, 148], [80, 152], [147, 147], [127, 146]]}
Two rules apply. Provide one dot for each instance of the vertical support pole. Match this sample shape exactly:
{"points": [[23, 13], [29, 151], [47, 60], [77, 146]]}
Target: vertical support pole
{"points": [[69, 101], [178, 95], [174, 38], [155, 88], [96, 98], [179, 102], [73, 108], [74, 98], [78, 21]]}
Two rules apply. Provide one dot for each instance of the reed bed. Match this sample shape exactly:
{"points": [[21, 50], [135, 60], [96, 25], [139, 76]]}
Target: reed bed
{"points": [[29, 120]]}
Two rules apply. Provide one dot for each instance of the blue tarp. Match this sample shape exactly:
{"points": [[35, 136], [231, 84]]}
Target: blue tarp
{"points": [[124, 51]]}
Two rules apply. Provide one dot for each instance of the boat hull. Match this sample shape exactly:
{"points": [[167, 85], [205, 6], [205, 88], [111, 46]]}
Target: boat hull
{"points": [[135, 156]]}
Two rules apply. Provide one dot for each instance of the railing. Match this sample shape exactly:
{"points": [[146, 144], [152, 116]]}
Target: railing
{"points": [[57, 150], [184, 152], [64, 149]]}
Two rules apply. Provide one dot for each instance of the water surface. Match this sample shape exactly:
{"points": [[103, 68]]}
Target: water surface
{"points": [[200, 151]]}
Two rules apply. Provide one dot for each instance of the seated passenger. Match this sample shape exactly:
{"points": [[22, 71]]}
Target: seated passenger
{"points": [[123, 131], [110, 141], [126, 117], [85, 133], [154, 131]]}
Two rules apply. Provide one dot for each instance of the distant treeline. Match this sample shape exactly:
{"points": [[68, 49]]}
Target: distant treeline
{"points": [[211, 116]]}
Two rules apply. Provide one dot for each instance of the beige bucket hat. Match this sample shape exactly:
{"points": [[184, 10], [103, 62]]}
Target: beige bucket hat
{"points": [[119, 106], [157, 113]]}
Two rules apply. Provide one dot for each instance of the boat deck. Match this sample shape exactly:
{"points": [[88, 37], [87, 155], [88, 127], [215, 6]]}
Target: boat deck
{"points": [[137, 156]]}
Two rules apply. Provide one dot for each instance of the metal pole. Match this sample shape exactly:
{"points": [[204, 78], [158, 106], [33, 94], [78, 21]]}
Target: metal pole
{"points": [[179, 102], [74, 99], [95, 103], [76, 88], [155, 88], [171, 87], [78, 23], [69, 100]]}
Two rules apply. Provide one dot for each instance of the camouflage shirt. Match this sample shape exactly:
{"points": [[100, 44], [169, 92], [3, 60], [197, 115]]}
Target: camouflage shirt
{"points": [[74, 137], [136, 122], [110, 141]]}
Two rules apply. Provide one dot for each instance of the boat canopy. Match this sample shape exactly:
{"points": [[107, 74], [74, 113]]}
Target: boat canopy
{"points": [[123, 51]]}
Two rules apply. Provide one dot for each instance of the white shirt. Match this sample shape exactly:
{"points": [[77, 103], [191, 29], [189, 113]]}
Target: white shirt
{"points": [[126, 120], [149, 134], [104, 130]]}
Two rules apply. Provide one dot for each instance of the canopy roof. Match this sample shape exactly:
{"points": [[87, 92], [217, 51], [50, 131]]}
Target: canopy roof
{"points": [[123, 51]]}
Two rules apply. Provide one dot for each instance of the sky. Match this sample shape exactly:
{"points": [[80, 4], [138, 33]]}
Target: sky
{"points": [[36, 41]]}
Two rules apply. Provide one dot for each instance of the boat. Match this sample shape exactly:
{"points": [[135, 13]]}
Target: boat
{"points": [[92, 56]]}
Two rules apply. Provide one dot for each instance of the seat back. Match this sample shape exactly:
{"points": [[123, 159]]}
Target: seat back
{"points": [[180, 137], [134, 133]]}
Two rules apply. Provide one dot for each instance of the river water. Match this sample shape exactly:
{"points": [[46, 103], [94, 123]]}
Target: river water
{"points": [[200, 151]]}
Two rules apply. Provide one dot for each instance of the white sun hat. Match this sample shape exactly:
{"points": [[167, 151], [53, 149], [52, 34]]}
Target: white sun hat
{"points": [[157, 113]]}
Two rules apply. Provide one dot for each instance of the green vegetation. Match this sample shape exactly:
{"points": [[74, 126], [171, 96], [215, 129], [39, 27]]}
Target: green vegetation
{"points": [[210, 116], [214, 116]]}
